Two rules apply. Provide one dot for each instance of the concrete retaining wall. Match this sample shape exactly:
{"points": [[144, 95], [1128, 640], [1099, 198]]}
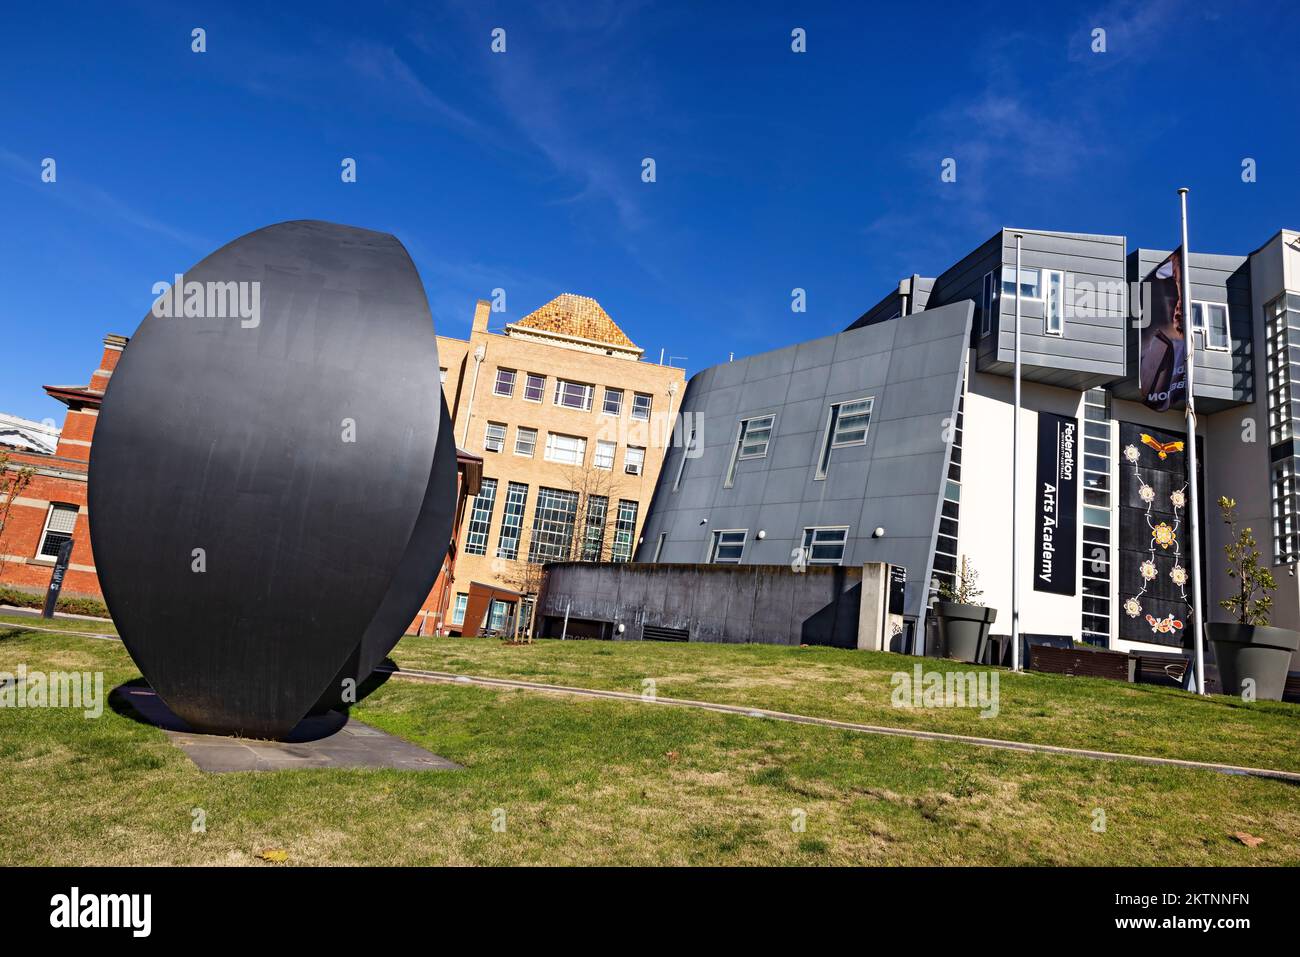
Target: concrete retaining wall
{"points": [[766, 604]]}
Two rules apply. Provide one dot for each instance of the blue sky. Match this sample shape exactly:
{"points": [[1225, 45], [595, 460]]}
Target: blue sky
{"points": [[522, 170]]}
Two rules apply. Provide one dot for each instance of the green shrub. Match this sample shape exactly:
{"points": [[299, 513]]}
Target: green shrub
{"points": [[71, 604]]}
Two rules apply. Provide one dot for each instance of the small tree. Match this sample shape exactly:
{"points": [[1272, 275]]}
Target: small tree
{"points": [[1243, 565], [966, 592], [14, 479]]}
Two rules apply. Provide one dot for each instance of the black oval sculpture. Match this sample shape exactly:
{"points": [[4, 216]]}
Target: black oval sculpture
{"points": [[272, 483]]}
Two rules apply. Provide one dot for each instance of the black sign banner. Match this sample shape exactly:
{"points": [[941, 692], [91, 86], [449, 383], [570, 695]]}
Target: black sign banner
{"points": [[1056, 500], [1162, 370], [56, 579]]}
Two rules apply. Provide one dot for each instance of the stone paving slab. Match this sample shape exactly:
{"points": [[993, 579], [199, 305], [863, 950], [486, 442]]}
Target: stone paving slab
{"points": [[332, 740]]}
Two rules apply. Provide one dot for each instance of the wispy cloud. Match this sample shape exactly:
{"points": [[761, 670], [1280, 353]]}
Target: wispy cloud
{"points": [[381, 63], [88, 199]]}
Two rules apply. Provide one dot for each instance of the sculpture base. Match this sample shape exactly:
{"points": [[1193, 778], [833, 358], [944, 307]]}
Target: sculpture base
{"points": [[330, 740]]}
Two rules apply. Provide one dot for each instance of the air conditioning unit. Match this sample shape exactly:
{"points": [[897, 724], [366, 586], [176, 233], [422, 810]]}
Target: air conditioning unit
{"points": [[632, 469]]}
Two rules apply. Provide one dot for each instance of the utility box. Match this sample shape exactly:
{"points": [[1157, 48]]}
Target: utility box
{"points": [[880, 611]]}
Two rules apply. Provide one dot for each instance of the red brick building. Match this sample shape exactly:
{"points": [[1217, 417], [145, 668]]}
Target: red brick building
{"points": [[52, 508]]}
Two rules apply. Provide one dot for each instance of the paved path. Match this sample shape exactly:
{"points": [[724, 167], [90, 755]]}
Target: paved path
{"points": [[1291, 777]]}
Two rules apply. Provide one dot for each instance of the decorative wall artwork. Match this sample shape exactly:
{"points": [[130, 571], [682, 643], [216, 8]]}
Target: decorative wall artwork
{"points": [[1155, 587], [273, 477]]}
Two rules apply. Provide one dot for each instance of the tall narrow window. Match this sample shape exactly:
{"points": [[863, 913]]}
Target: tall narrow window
{"points": [[686, 454], [988, 296], [512, 520], [480, 521], [727, 546], [752, 438], [458, 609], [593, 536], [624, 531], [641, 404], [553, 519], [659, 545], [1053, 309], [613, 401], [846, 424], [604, 457], [1095, 561]]}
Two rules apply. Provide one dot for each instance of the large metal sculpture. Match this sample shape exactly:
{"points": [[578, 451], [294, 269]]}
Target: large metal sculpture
{"points": [[273, 476]]}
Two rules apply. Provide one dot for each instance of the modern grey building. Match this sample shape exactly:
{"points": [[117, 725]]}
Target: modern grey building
{"points": [[891, 441]]}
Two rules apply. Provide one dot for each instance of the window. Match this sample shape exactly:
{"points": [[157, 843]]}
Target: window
{"points": [[525, 441], [565, 449], [593, 535], [641, 404], [1210, 319], [480, 521], [505, 383], [1282, 317], [512, 520], [988, 297], [613, 402], [633, 460], [727, 547], [846, 424], [1095, 560], [1030, 283], [752, 438], [686, 454], [458, 609], [824, 546], [442, 376], [1053, 309], [624, 531], [494, 439], [534, 387], [553, 519], [59, 524], [499, 614], [604, 454], [573, 395], [659, 545]]}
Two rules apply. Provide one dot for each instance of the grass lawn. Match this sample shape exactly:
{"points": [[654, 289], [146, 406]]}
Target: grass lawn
{"points": [[855, 686], [607, 782]]}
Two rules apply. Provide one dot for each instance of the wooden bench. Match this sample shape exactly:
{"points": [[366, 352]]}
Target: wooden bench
{"points": [[1114, 665]]}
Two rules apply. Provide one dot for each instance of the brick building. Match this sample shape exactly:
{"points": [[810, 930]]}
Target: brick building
{"points": [[52, 508], [571, 425]]}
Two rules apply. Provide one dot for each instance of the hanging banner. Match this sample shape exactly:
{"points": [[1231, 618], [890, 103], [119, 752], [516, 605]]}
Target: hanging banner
{"points": [[1056, 501], [1155, 586], [56, 578], [1162, 369]]}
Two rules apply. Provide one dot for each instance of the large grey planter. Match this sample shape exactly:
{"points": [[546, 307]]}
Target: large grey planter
{"points": [[1255, 652], [964, 629]]}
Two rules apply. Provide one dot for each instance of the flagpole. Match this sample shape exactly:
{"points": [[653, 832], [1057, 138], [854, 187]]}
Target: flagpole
{"points": [[1193, 514], [1015, 486]]}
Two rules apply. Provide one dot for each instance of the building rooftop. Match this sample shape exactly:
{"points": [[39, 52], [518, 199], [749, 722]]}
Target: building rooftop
{"points": [[28, 436], [578, 318]]}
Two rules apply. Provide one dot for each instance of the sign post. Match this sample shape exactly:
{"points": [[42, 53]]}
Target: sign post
{"points": [[56, 579]]}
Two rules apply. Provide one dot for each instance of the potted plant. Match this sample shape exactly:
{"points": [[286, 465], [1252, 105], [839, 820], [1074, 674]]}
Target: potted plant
{"points": [[963, 620], [1248, 649]]}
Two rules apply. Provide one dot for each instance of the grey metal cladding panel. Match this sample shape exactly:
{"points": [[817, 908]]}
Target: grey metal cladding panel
{"points": [[906, 474], [808, 384], [966, 273], [915, 435], [720, 400], [1060, 352], [921, 289], [818, 352], [768, 364], [924, 360], [794, 450], [919, 397], [761, 396], [1090, 255], [856, 375], [880, 312], [807, 415]]}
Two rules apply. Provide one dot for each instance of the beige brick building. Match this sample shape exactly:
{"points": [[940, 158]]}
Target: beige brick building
{"points": [[572, 426]]}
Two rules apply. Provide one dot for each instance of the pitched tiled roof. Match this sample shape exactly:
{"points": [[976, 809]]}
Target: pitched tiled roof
{"points": [[578, 316]]}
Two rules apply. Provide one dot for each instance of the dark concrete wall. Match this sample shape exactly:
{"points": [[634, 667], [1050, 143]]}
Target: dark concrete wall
{"points": [[764, 604]]}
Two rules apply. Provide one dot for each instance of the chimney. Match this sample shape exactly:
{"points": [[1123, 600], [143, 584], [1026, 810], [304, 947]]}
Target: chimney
{"points": [[482, 309]]}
